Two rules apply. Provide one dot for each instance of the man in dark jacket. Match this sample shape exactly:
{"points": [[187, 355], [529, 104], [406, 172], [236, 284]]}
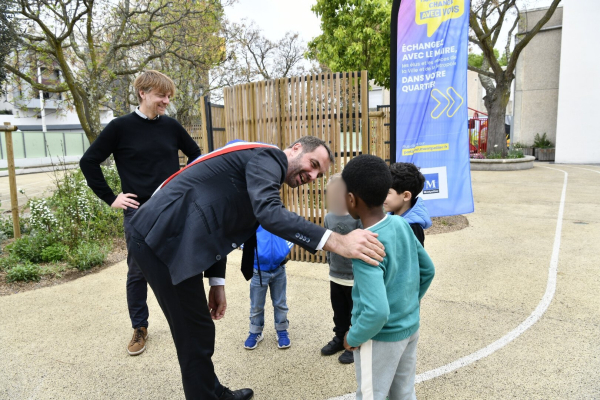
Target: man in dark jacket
{"points": [[145, 145], [192, 222]]}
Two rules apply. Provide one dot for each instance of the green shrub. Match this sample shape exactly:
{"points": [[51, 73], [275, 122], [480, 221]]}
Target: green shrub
{"points": [[6, 227], [511, 154], [24, 273], [517, 153], [8, 262], [30, 248], [76, 213], [494, 155], [68, 225], [542, 142], [87, 255], [55, 252]]}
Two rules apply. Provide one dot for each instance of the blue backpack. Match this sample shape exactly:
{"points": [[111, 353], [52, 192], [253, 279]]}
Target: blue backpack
{"points": [[272, 250]]}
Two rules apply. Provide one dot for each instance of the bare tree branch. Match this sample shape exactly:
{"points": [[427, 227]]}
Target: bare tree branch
{"points": [[61, 88], [481, 71], [520, 45]]}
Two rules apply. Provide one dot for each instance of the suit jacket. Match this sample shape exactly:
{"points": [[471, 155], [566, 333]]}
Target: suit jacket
{"points": [[211, 208]]}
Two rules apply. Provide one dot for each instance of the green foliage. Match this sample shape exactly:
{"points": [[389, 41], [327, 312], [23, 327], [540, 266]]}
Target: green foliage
{"points": [[515, 154], [76, 212], [494, 156], [30, 248], [356, 36], [69, 225], [476, 60], [99, 47], [6, 39], [511, 154], [55, 252], [8, 262], [24, 272], [542, 142], [6, 227], [503, 61], [87, 255]]}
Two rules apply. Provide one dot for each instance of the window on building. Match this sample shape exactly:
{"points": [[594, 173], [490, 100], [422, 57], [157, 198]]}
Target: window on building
{"points": [[51, 78]]}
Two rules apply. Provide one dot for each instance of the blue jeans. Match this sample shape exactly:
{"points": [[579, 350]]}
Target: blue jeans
{"points": [[137, 286], [276, 280]]}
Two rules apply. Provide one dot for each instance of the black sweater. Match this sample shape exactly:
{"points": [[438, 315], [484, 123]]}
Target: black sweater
{"points": [[145, 152]]}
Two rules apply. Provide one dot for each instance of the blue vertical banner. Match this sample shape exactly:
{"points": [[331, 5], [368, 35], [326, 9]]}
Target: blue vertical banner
{"points": [[429, 99]]}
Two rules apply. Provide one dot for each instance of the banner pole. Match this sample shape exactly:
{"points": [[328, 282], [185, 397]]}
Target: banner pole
{"points": [[393, 85]]}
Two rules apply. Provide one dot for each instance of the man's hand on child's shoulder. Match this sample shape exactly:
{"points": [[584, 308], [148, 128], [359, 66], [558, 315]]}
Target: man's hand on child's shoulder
{"points": [[347, 346]]}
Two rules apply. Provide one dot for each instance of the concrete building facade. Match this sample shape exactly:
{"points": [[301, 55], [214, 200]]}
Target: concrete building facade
{"points": [[577, 130], [537, 78]]}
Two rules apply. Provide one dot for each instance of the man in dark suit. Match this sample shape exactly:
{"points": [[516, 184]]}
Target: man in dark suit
{"points": [[188, 227]]}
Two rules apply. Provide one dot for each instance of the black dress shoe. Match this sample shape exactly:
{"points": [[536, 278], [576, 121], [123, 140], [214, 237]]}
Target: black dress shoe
{"points": [[347, 357], [241, 394], [336, 345]]}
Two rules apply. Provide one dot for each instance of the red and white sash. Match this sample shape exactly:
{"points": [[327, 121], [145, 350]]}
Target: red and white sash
{"points": [[229, 148]]}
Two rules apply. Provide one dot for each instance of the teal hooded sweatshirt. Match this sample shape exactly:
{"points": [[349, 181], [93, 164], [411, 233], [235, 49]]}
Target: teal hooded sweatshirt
{"points": [[386, 298]]}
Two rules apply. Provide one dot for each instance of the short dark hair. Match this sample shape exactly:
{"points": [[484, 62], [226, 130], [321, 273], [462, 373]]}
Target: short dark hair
{"points": [[311, 143], [368, 177], [407, 177]]}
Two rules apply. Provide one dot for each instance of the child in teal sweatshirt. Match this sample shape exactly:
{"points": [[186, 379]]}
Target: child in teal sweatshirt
{"points": [[385, 315]]}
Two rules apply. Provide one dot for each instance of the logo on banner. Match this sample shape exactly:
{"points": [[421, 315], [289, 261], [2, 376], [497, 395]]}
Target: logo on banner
{"points": [[431, 184], [436, 183], [434, 12]]}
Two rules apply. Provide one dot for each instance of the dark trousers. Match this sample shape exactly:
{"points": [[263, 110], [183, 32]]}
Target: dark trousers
{"points": [[186, 310], [341, 302], [137, 287]]}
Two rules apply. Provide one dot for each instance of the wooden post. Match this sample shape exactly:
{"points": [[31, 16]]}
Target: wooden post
{"points": [[364, 110], [12, 181]]}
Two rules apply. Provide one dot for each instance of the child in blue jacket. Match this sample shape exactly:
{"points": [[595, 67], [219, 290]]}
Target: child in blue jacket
{"points": [[269, 273], [402, 200]]}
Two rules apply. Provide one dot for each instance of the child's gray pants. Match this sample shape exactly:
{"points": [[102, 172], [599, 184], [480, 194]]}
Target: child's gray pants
{"points": [[386, 369]]}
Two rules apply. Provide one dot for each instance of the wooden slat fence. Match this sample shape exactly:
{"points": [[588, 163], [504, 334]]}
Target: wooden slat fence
{"points": [[379, 132], [195, 131], [333, 107]]}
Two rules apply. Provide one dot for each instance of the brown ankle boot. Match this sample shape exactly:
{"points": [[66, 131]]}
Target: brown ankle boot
{"points": [[138, 341]]}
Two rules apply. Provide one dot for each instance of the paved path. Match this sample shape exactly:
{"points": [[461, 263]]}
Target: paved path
{"points": [[68, 342], [33, 185]]}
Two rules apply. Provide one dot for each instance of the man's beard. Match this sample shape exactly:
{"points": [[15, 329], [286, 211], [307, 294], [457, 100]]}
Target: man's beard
{"points": [[294, 169]]}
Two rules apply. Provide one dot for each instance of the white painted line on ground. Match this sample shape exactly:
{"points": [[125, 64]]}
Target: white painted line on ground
{"points": [[586, 169], [515, 333]]}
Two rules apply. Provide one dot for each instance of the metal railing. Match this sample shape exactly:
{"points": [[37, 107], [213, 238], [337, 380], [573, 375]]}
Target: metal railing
{"points": [[29, 144], [478, 130]]}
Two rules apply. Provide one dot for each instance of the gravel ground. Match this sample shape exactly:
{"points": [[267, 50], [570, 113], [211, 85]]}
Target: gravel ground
{"points": [[68, 341], [447, 224]]}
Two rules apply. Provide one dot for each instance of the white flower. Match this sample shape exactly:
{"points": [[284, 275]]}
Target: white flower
{"points": [[495, 145]]}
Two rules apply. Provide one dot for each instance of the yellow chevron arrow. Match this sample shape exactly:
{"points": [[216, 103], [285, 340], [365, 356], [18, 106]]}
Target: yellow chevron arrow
{"points": [[450, 102], [449, 92], [434, 95]]}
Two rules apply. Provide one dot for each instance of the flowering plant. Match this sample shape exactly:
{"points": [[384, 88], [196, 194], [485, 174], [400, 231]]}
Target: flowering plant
{"points": [[71, 225]]}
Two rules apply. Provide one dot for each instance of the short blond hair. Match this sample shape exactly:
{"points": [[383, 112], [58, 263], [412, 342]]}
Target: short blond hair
{"points": [[150, 80]]}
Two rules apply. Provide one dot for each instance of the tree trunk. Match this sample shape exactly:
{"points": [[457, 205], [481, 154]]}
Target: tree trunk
{"points": [[85, 100], [495, 102]]}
